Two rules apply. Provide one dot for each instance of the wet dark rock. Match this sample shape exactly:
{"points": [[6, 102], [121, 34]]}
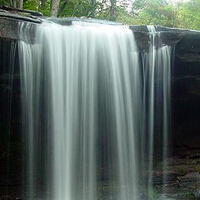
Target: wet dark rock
{"points": [[197, 194], [10, 193], [193, 177], [184, 178], [17, 10], [167, 178]]}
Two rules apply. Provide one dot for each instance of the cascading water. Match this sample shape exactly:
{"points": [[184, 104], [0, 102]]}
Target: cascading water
{"points": [[157, 73], [82, 93], [89, 111]]}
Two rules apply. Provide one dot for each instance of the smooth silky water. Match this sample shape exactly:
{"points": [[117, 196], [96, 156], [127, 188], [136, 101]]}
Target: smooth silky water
{"points": [[157, 93], [88, 105]]}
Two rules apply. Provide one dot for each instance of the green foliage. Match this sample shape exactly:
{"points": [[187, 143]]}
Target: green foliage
{"points": [[154, 12], [188, 15], [161, 12], [36, 5], [75, 8], [4, 2], [80, 8], [45, 9], [125, 18], [31, 5]]}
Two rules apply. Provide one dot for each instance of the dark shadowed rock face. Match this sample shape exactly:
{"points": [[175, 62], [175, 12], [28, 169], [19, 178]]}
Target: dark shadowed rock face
{"points": [[10, 121], [186, 92]]}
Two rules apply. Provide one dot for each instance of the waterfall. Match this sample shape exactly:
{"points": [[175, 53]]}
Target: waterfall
{"points": [[89, 111], [157, 101]]}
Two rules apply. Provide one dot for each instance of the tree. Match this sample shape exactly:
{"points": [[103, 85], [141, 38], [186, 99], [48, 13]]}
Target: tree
{"points": [[112, 10], [54, 8], [16, 4]]}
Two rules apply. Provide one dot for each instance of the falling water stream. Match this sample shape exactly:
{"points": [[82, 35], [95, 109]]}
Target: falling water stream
{"points": [[157, 98], [83, 89]]}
